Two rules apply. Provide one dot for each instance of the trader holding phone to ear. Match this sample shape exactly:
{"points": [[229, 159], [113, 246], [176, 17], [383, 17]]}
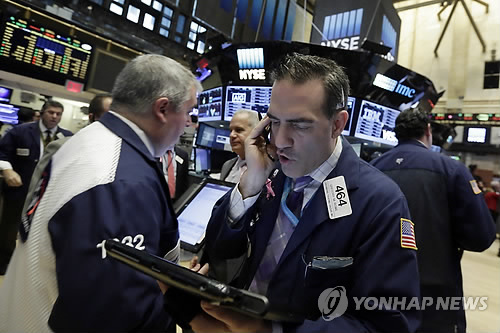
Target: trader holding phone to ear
{"points": [[323, 219]]}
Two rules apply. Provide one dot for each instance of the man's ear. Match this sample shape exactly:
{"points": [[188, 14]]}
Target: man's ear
{"points": [[160, 109], [339, 122]]}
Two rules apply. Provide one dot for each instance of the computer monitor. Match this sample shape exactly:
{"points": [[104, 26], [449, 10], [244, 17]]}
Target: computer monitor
{"points": [[376, 123], [255, 98], [213, 137], [435, 148], [8, 114], [351, 102], [202, 160], [194, 212], [357, 148], [210, 105], [5, 94], [477, 134]]}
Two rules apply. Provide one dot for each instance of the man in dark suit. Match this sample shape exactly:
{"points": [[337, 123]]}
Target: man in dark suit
{"points": [[241, 125], [20, 150], [325, 231], [449, 212]]}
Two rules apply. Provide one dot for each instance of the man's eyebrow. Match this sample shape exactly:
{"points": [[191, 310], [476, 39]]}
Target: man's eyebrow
{"points": [[296, 120]]}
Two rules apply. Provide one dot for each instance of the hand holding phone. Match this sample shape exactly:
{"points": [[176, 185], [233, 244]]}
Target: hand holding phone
{"points": [[259, 159], [266, 134]]}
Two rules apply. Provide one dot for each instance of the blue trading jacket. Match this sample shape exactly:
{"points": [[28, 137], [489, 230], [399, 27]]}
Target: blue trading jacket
{"points": [[371, 235], [450, 215], [103, 184]]}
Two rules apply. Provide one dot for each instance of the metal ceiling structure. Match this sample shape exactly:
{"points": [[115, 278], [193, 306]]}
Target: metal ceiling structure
{"points": [[444, 5]]}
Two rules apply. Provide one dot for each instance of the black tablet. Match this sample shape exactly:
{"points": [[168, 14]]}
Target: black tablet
{"points": [[205, 288], [194, 209]]}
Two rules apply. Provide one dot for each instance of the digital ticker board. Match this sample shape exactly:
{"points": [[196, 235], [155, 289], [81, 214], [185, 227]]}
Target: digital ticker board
{"points": [[36, 51]]}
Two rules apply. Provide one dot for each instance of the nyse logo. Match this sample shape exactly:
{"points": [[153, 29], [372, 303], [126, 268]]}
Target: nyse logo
{"points": [[350, 43], [392, 85], [252, 74]]}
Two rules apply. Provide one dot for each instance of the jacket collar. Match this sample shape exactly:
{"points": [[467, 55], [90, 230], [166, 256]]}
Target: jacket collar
{"points": [[124, 131]]}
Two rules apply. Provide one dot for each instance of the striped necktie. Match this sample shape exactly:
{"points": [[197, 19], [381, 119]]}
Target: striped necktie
{"points": [[48, 138], [283, 228]]}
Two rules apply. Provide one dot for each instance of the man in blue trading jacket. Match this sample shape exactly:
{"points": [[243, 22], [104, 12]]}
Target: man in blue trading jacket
{"points": [[345, 232], [20, 150], [103, 183], [448, 210]]}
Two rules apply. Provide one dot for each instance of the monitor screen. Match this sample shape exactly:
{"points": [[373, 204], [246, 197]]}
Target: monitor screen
{"points": [[194, 218], [213, 137], [5, 94], [476, 134], [202, 160], [210, 105], [357, 148], [250, 98], [435, 148], [376, 123], [8, 114], [351, 101], [38, 51]]}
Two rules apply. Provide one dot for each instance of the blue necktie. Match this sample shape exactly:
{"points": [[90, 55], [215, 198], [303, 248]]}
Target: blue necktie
{"points": [[282, 232]]}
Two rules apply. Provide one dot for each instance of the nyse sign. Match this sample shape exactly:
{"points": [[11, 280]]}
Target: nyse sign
{"points": [[252, 74], [348, 43]]}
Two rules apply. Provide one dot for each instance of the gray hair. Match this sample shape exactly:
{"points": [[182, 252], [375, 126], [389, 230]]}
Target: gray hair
{"points": [[253, 118], [149, 77], [300, 68]]}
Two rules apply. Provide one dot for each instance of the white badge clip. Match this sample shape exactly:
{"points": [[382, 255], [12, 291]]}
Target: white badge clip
{"points": [[179, 159], [22, 152], [337, 198]]}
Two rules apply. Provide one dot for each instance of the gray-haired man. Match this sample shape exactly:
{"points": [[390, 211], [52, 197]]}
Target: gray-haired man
{"points": [[103, 183]]}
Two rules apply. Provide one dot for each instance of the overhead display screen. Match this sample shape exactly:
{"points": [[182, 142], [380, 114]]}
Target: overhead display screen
{"points": [[244, 97], [36, 51], [376, 123], [210, 105]]}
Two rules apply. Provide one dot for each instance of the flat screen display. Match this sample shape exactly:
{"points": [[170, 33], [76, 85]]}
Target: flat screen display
{"points": [[213, 137], [31, 49], [376, 123], [202, 160], [476, 134], [194, 217], [435, 148], [351, 101], [210, 105], [245, 97], [5, 94], [8, 114]]}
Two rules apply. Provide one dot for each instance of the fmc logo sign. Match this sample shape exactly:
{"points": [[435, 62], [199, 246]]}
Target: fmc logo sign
{"points": [[342, 30], [392, 85]]}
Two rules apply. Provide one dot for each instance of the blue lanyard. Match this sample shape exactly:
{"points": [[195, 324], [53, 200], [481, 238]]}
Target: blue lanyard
{"points": [[291, 216]]}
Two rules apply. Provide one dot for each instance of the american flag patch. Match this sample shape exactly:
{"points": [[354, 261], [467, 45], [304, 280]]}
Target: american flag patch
{"points": [[408, 234]]}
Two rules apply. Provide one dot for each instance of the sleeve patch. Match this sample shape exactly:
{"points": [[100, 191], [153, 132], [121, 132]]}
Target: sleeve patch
{"points": [[475, 187], [408, 235]]}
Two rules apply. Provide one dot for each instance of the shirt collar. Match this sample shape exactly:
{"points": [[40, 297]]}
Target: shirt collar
{"points": [[140, 133], [239, 163], [326, 168], [43, 128]]}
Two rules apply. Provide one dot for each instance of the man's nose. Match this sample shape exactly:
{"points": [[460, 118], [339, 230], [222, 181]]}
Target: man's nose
{"points": [[280, 137]]}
